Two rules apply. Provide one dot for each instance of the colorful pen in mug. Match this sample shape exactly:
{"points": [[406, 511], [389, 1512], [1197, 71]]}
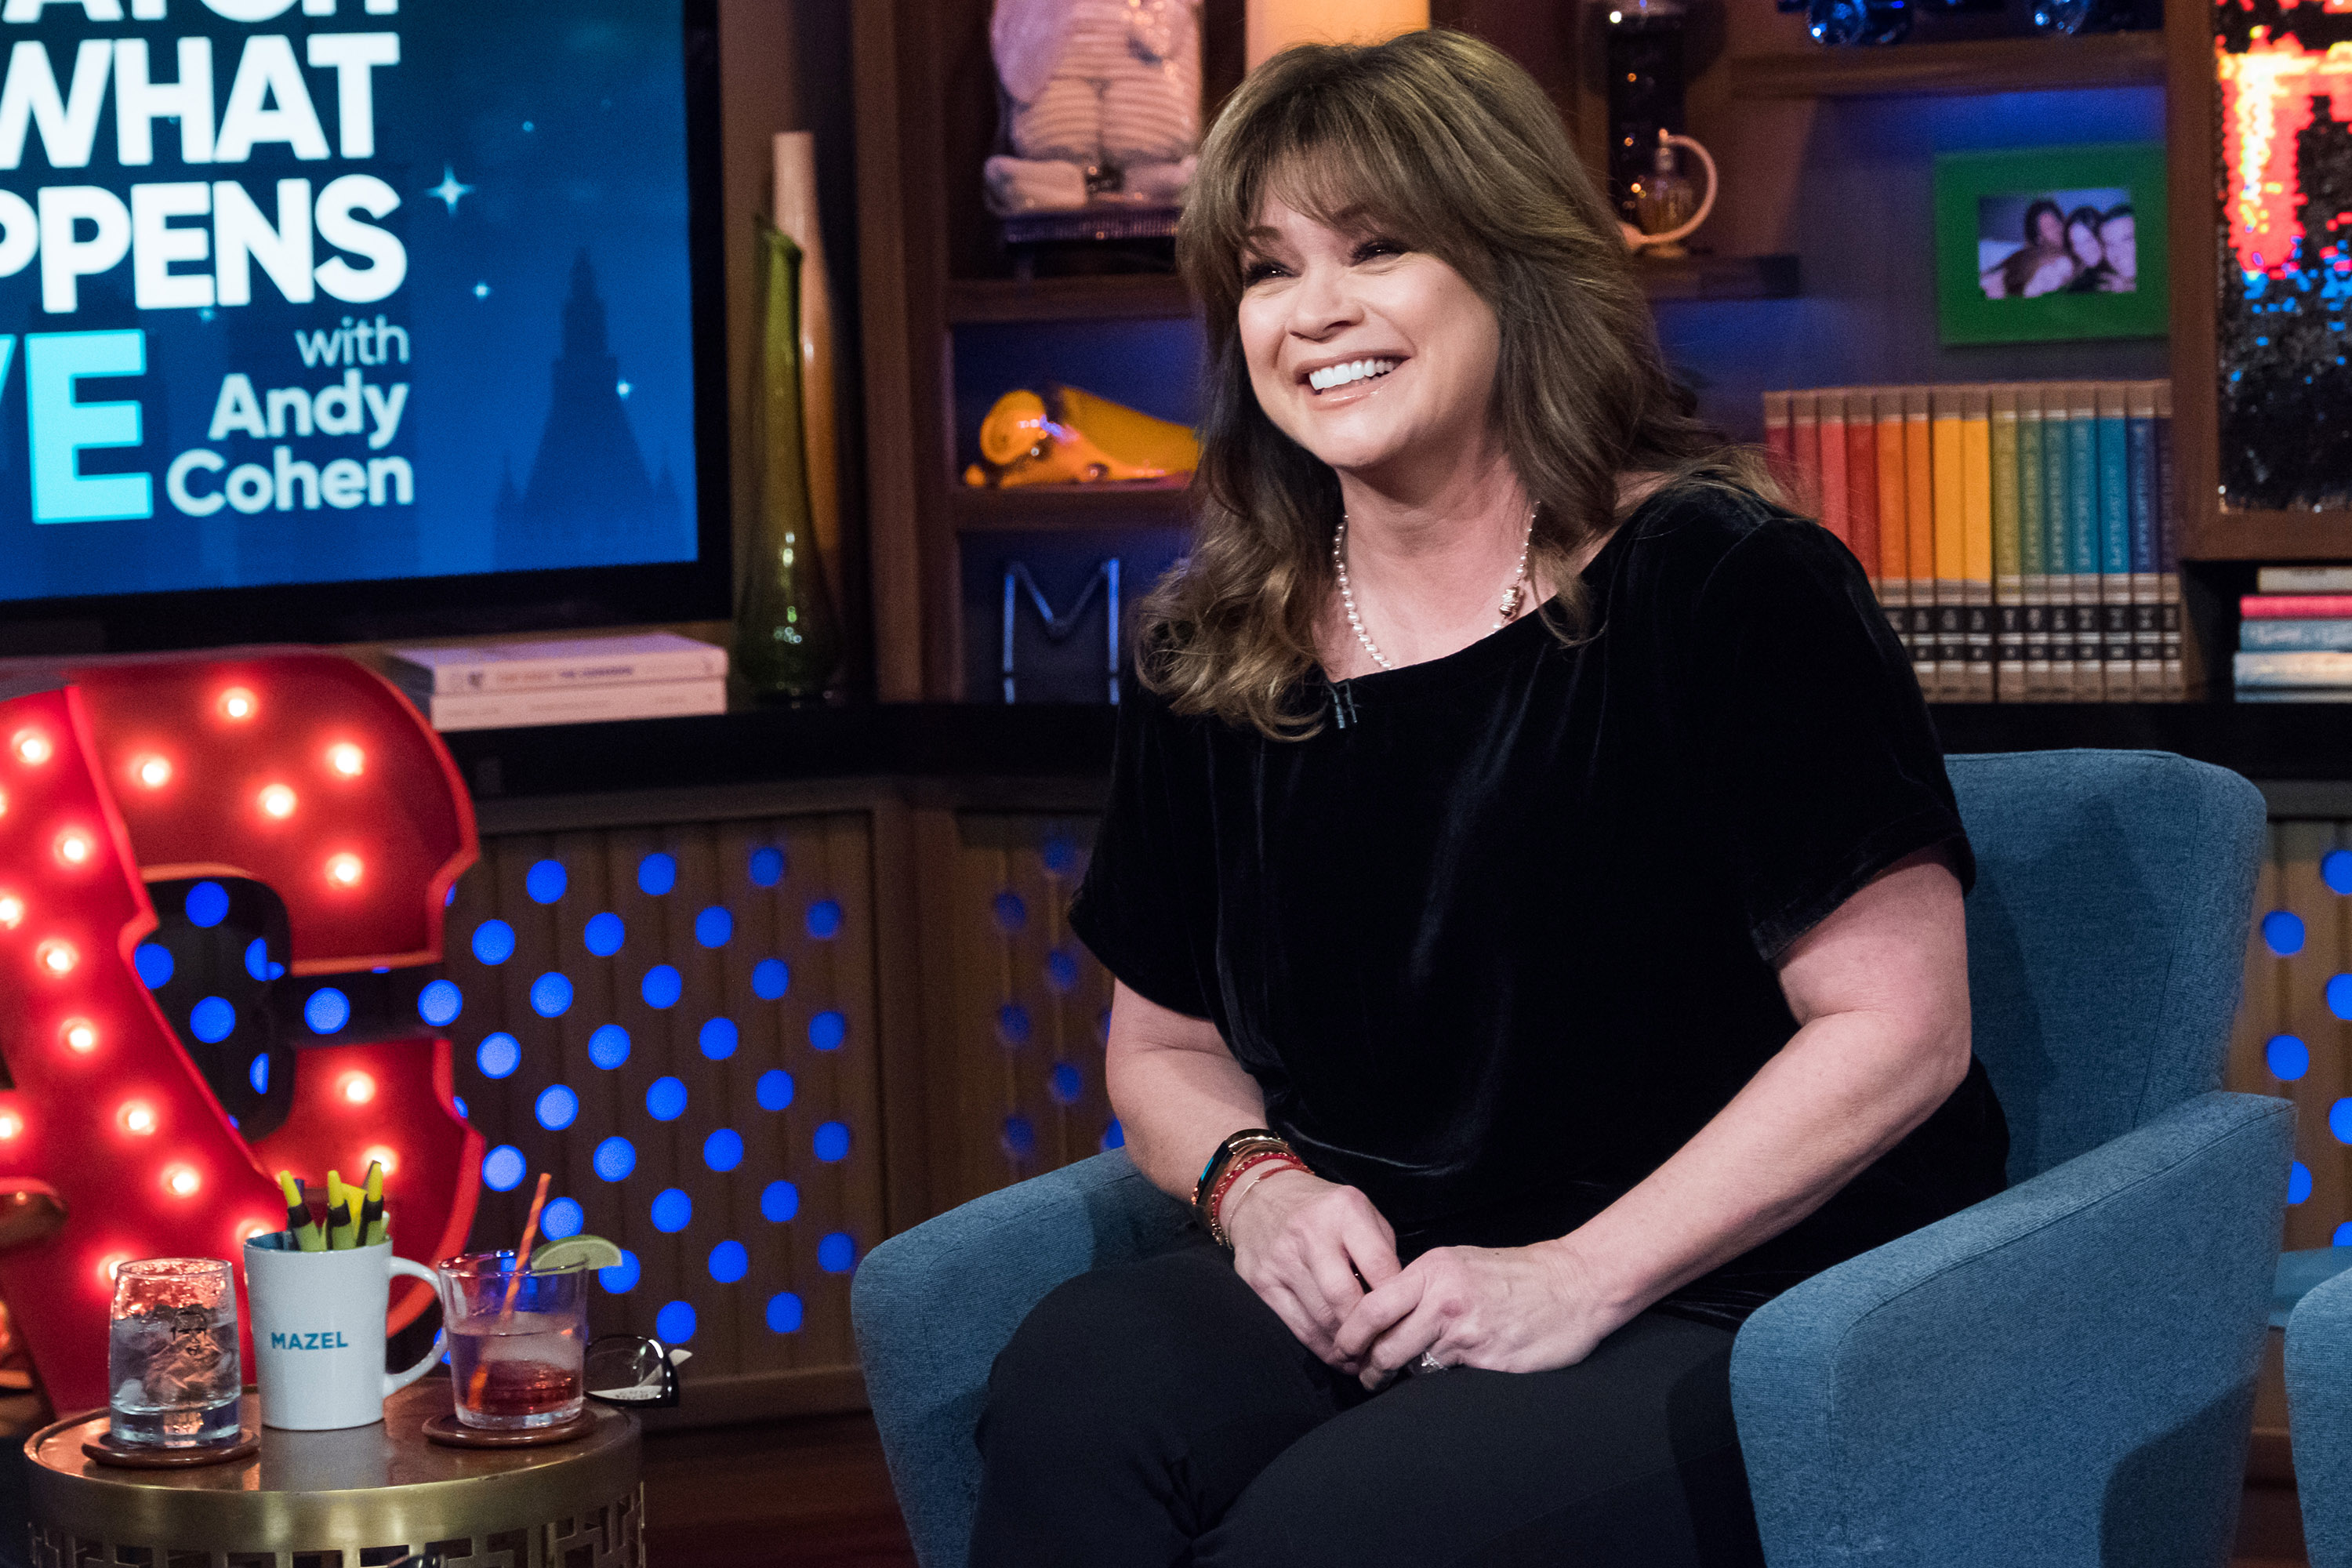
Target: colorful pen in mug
{"points": [[299, 1226], [371, 1227], [340, 1221]]}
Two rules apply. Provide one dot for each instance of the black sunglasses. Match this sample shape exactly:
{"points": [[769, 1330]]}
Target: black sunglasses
{"points": [[631, 1371]]}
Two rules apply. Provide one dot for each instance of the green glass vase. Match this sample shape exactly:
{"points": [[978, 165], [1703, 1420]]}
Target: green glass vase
{"points": [[787, 638]]}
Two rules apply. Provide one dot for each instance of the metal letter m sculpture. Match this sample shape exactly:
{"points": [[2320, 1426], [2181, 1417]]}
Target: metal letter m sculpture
{"points": [[1059, 628]]}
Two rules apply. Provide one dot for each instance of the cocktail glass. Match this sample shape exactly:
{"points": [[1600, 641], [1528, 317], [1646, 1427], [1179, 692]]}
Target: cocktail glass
{"points": [[171, 1353], [516, 1337]]}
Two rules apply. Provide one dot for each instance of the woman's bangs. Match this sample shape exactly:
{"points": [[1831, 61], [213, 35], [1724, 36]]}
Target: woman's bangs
{"points": [[1356, 185]]}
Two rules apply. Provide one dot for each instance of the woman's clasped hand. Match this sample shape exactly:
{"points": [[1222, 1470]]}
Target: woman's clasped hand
{"points": [[1324, 1260]]}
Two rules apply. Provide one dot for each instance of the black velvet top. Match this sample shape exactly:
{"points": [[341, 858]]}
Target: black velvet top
{"points": [[1502, 936]]}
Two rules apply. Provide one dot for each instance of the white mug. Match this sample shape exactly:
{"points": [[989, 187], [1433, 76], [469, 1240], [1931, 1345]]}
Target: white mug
{"points": [[318, 1333]]}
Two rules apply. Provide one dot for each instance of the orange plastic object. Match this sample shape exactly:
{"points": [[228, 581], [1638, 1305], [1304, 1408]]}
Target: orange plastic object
{"points": [[158, 767], [1080, 438]]}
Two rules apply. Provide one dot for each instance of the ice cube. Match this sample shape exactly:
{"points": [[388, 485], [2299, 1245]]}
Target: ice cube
{"points": [[197, 1365]]}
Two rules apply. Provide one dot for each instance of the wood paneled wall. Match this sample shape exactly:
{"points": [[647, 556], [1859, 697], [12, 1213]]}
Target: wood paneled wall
{"points": [[1027, 1008], [2291, 1035], [701, 910]]}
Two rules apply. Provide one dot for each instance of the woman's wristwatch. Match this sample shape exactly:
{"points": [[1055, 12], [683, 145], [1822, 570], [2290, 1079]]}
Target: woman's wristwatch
{"points": [[1243, 1150]]}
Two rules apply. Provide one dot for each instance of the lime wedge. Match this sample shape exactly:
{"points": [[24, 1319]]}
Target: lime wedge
{"points": [[592, 1251]]}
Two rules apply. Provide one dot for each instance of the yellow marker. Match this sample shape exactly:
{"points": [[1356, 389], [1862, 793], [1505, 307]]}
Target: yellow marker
{"points": [[341, 1221], [299, 1226], [371, 1225]]}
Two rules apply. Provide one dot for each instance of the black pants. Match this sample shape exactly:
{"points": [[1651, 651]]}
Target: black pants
{"points": [[1158, 1413]]}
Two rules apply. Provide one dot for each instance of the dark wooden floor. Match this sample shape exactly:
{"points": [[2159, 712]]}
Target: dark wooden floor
{"points": [[814, 1493], [811, 1493]]}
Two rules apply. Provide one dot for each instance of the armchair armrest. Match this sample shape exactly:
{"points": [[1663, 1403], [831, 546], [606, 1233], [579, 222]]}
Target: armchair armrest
{"points": [[933, 1306], [2319, 1413], [2087, 1339]]}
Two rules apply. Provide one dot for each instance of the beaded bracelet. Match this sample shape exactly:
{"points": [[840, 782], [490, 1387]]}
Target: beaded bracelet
{"points": [[1234, 1173]]}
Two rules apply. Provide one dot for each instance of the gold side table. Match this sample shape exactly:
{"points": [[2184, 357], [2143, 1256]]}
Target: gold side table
{"points": [[356, 1499]]}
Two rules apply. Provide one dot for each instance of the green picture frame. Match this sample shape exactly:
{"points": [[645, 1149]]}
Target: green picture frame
{"points": [[1984, 202]]}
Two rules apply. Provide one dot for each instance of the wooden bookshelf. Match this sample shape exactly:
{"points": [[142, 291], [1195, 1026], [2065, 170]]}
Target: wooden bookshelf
{"points": [[1978, 65]]}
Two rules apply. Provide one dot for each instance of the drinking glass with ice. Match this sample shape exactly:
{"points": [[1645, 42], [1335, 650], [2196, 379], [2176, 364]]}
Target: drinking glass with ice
{"points": [[171, 1353], [516, 1337]]}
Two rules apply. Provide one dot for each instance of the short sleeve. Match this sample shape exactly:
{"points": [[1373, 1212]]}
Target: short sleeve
{"points": [[1143, 906], [1820, 758]]}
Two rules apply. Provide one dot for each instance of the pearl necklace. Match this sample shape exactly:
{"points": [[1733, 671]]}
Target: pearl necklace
{"points": [[1512, 587]]}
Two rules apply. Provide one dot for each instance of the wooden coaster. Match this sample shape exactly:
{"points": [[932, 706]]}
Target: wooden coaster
{"points": [[450, 1432], [151, 1457]]}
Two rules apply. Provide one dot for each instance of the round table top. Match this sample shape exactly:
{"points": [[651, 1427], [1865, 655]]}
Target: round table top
{"points": [[386, 1467]]}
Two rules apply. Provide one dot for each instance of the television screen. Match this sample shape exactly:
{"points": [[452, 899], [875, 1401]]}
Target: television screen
{"points": [[352, 291]]}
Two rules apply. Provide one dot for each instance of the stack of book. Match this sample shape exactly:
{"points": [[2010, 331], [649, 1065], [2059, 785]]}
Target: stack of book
{"points": [[2023, 537], [2294, 644], [507, 685]]}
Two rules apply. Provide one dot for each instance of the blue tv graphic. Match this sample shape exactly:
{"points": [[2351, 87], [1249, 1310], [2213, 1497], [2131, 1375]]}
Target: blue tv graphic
{"points": [[316, 290]]}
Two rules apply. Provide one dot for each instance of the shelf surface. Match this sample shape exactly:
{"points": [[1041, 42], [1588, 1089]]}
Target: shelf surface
{"points": [[1031, 508], [1139, 297], [1985, 64], [2265, 741], [987, 301], [1719, 278]]}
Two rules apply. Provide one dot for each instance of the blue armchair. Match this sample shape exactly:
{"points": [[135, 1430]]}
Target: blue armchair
{"points": [[2319, 1399], [2060, 1376]]}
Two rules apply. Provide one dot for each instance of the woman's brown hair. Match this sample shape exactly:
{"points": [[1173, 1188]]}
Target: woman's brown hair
{"points": [[1439, 142]]}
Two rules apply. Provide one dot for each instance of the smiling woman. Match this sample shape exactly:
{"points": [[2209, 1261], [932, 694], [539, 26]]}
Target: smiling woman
{"points": [[1532, 886], [1412, 289]]}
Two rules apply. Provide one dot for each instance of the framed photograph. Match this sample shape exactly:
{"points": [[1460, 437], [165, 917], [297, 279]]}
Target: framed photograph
{"points": [[2047, 243]]}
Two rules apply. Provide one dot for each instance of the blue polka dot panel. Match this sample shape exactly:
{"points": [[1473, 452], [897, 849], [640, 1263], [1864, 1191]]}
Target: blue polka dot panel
{"points": [[1028, 1050], [207, 904], [669, 1021], [545, 881], [605, 934], [326, 1010], [2282, 931], [440, 1002], [608, 1047], [675, 1322], [212, 1019], [2292, 1034]]}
